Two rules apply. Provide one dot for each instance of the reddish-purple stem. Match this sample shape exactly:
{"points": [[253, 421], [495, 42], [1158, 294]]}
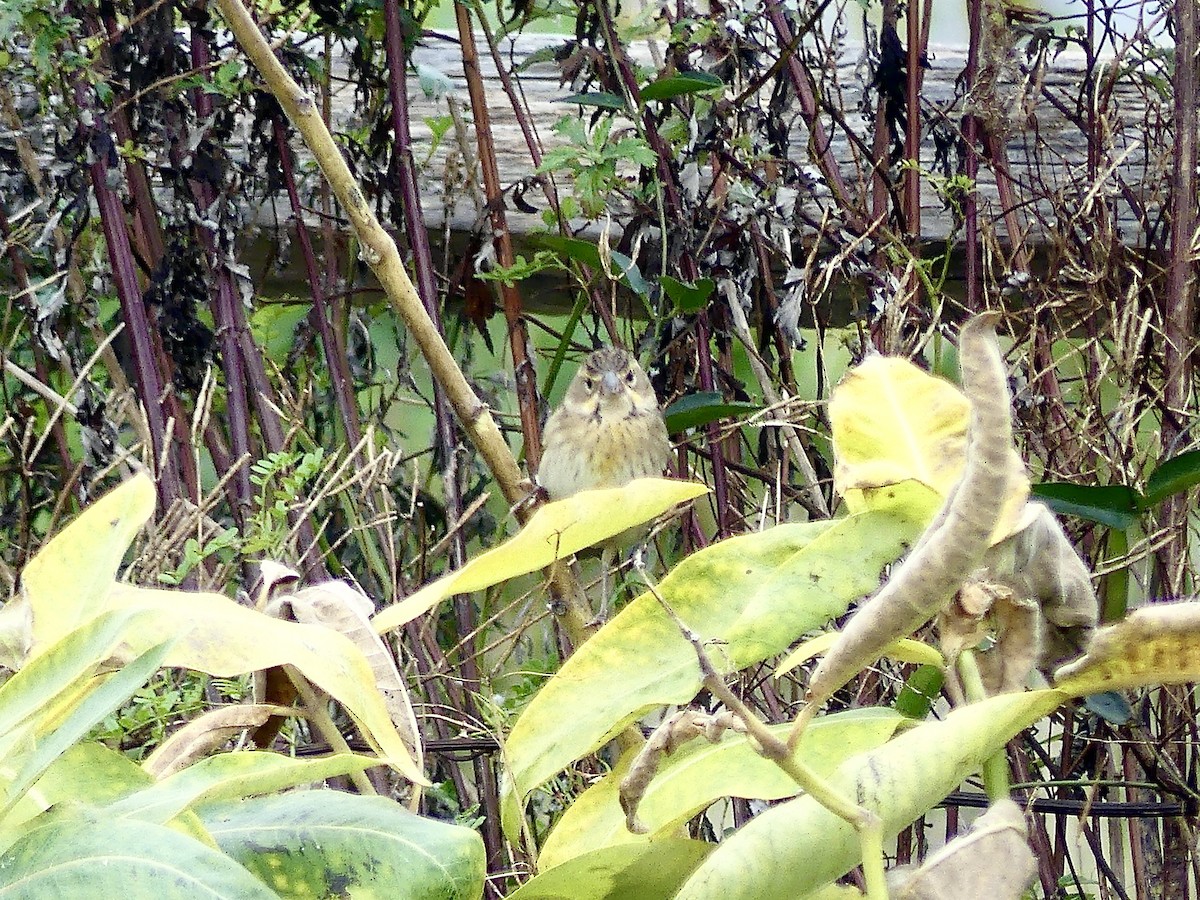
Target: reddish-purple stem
{"points": [[335, 355], [133, 309]]}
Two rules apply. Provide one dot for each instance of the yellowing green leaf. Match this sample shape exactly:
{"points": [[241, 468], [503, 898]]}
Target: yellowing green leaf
{"points": [[774, 855], [751, 596], [903, 650], [900, 438], [218, 636], [67, 581], [893, 422], [1157, 644], [72, 581], [556, 531], [700, 772], [621, 871]]}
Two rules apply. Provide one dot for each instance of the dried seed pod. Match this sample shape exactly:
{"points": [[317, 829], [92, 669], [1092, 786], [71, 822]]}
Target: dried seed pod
{"points": [[954, 545]]}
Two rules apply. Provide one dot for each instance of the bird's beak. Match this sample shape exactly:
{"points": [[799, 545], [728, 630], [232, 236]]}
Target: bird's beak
{"points": [[610, 384]]}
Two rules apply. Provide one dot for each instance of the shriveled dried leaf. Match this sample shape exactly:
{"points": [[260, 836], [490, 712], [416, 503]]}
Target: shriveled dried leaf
{"points": [[1039, 563], [992, 860], [208, 733], [336, 605]]}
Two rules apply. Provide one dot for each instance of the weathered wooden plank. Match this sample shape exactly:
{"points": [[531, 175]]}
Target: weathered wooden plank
{"points": [[1046, 153]]}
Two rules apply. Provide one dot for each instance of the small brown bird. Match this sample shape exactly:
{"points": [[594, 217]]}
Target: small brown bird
{"points": [[607, 431]]}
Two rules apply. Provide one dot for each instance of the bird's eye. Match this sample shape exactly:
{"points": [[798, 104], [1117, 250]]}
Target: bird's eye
{"points": [[629, 377], [588, 384]]}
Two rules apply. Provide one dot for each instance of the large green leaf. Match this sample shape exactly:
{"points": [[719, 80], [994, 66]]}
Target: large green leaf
{"points": [[624, 268], [77, 853], [772, 855], [701, 772], [321, 843], [799, 846], [686, 83], [67, 581], [1114, 505], [556, 531], [749, 596], [231, 776], [1175, 475], [623, 872], [688, 298], [86, 773], [694, 410], [600, 99]]}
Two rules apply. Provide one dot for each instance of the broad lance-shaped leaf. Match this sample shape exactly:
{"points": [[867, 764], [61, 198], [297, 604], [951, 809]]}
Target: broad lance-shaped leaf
{"points": [[954, 546], [218, 636], [1175, 475], [623, 871], [894, 424], [1157, 644], [798, 846], [300, 843], [231, 776], [750, 596], [78, 853], [701, 772], [556, 531], [208, 632], [69, 577]]}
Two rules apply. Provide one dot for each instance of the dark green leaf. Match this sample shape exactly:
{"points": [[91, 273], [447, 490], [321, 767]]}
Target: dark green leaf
{"points": [[917, 696], [673, 86], [688, 298], [303, 843], [1114, 505], [1174, 476], [701, 408], [601, 99], [588, 254]]}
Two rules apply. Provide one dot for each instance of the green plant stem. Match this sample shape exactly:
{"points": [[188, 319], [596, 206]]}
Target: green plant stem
{"points": [[870, 837], [1116, 582], [995, 768], [769, 746], [318, 715]]}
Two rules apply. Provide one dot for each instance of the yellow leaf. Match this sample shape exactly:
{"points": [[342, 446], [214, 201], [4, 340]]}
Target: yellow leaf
{"points": [[1157, 644], [67, 582], [900, 439], [218, 636], [904, 650], [556, 531]]}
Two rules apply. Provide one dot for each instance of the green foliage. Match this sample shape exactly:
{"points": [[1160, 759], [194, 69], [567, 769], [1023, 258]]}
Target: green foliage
{"points": [[282, 480], [592, 158], [145, 719], [77, 818]]}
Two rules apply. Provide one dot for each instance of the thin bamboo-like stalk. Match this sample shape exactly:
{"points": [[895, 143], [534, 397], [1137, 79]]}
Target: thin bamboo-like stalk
{"points": [[518, 334], [379, 251]]}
